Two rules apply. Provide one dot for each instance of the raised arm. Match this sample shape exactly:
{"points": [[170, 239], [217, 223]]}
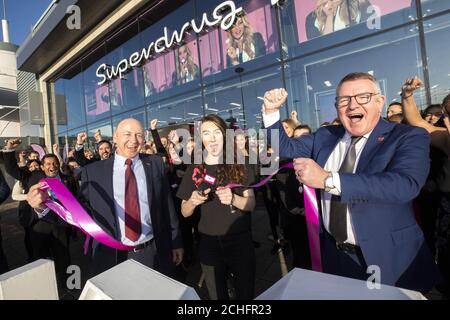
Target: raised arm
{"points": [[155, 135], [288, 147], [439, 136], [78, 154], [9, 156]]}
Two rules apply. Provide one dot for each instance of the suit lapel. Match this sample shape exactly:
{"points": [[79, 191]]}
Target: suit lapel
{"points": [[108, 185], [375, 141], [328, 146], [146, 163]]}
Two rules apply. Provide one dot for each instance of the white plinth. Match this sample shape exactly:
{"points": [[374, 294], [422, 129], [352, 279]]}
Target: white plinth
{"points": [[300, 284], [34, 281], [131, 280]]}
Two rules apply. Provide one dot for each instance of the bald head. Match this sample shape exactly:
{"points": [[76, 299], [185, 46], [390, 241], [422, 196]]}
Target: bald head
{"points": [[129, 138]]}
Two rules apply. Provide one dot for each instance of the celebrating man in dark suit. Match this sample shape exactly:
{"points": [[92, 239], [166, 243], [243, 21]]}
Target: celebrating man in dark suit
{"points": [[129, 196], [366, 172], [49, 234]]}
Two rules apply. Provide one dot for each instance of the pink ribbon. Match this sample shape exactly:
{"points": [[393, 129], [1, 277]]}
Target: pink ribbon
{"points": [[74, 214], [39, 149], [312, 226], [311, 214]]}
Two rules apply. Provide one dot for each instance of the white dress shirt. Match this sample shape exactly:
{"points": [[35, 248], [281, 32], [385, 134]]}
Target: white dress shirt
{"points": [[332, 165], [119, 198]]}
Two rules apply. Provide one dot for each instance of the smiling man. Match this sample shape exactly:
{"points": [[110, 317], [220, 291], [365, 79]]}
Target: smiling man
{"points": [[128, 195], [46, 233], [367, 172]]}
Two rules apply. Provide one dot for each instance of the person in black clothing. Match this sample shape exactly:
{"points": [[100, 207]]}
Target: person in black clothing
{"points": [[4, 194], [225, 227], [104, 149], [243, 44], [49, 234]]}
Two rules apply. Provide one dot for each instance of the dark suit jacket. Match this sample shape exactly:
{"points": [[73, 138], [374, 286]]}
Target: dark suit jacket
{"points": [[391, 171], [97, 196], [26, 215], [81, 159], [4, 189]]}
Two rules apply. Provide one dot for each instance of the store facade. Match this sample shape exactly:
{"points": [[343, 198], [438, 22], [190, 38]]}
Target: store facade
{"points": [[179, 60]]}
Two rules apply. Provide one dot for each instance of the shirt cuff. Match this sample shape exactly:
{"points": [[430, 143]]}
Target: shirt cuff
{"points": [[270, 119], [41, 213], [336, 191], [78, 147], [9, 150]]}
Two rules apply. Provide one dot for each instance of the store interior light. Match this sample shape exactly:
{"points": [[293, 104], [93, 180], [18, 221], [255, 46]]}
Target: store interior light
{"points": [[327, 83], [235, 104]]}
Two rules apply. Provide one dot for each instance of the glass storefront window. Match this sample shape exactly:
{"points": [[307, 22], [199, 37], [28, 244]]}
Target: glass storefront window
{"points": [[96, 97], [437, 32], [58, 91], [310, 25], [182, 109], [176, 70], [431, 7], [138, 114], [128, 92], [239, 101], [251, 42], [312, 81]]}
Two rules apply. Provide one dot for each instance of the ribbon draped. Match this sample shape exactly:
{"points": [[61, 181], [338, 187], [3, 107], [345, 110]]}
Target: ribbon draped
{"points": [[74, 214], [311, 215]]}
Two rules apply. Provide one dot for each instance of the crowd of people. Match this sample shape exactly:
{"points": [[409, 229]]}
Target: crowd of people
{"points": [[380, 203]]}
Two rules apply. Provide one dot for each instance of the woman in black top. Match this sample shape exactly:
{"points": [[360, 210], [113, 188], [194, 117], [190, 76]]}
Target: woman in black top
{"points": [[226, 242]]}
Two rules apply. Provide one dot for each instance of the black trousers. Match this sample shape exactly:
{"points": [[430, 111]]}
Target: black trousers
{"points": [[3, 262], [221, 255], [105, 258], [52, 241], [340, 263]]}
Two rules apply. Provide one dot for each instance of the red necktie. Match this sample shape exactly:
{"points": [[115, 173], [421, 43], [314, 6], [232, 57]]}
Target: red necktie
{"points": [[132, 212]]}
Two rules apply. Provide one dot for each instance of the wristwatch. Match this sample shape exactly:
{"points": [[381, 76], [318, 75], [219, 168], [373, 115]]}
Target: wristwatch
{"points": [[328, 182]]}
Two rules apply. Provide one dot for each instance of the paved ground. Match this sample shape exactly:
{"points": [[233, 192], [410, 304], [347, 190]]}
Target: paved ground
{"points": [[268, 269]]}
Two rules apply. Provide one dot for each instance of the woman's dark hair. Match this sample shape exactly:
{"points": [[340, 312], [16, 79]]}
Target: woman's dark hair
{"points": [[29, 162], [226, 173]]}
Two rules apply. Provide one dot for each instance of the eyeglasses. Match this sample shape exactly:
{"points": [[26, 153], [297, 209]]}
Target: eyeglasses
{"points": [[361, 99]]}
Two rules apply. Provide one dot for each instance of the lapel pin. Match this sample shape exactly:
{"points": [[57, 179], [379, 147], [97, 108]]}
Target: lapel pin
{"points": [[380, 139]]}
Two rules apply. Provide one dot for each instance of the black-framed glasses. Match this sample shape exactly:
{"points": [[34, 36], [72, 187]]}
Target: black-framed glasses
{"points": [[361, 99]]}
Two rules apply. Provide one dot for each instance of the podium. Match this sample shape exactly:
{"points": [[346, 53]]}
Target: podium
{"points": [[34, 281], [131, 280], [300, 284]]}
